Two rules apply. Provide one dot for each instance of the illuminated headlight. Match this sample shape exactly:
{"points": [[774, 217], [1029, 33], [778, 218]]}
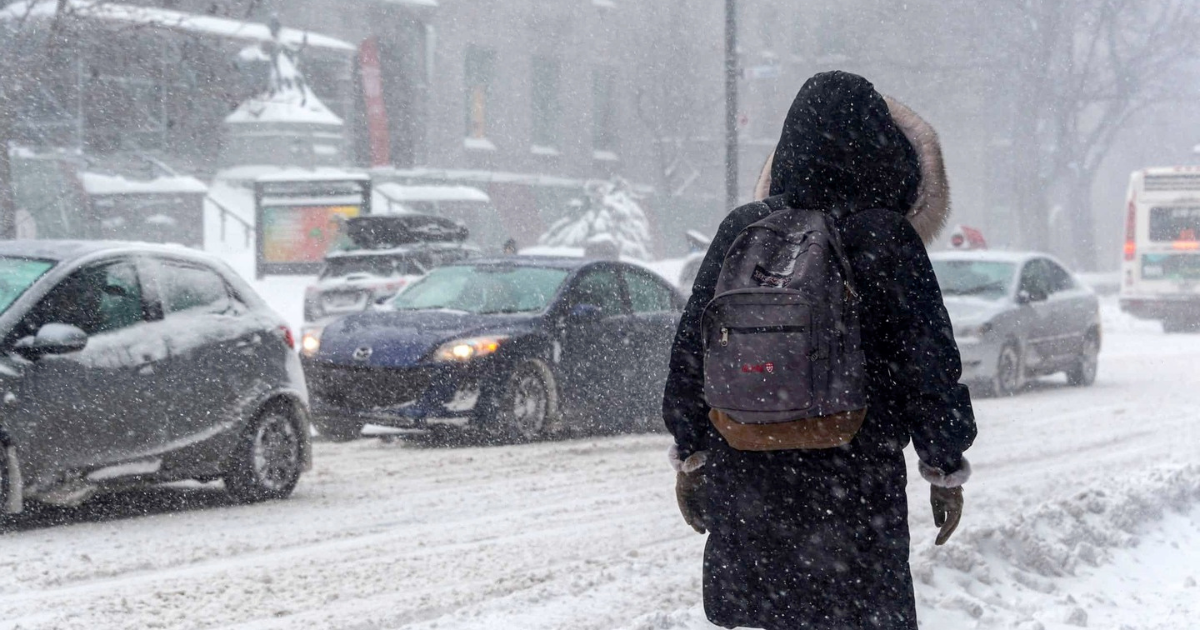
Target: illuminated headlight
{"points": [[467, 349], [310, 341]]}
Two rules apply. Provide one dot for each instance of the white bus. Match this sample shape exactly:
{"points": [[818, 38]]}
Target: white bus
{"points": [[1160, 273]]}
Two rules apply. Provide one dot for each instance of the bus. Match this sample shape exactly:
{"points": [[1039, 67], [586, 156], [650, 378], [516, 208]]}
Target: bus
{"points": [[1160, 270]]}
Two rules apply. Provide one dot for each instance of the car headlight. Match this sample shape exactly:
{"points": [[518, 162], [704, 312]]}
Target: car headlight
{"points": [[469, 348], [310, 341]]}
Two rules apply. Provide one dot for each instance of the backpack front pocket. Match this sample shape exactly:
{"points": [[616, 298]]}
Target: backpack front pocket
{"points": [[758, 354]]}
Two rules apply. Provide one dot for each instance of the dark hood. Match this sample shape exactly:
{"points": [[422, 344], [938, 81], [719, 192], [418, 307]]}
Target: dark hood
{"points": [[405, 338], [840, 150]]}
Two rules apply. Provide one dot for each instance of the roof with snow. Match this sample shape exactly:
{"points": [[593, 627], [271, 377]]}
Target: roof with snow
{"points": [[400, 193], [98, 184], [321, 174], [174, 20]]}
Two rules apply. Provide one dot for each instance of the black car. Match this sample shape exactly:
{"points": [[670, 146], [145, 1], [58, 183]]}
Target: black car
{"points": [[517, 346], [124, 364]]}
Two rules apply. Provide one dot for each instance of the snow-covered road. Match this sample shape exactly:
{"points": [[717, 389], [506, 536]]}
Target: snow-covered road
{"points": [[1082, 511]]}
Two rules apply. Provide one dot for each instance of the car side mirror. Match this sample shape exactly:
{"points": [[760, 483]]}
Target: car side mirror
{"points": [[52, 339], [1029, 296], [586, 313]]}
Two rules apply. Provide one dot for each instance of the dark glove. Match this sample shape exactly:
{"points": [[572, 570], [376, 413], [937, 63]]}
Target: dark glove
{"points": [[947, 510], [690, 489], [691, 486]]}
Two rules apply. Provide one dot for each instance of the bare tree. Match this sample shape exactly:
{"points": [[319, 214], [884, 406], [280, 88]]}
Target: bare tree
{"points": [[1080, 72], [678, 103]]}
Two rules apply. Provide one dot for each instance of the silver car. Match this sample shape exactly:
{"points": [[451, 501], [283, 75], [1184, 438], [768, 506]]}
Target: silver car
{"points": [[1017, 316]]}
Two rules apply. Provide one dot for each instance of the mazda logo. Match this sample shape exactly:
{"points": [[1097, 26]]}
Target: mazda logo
{"points": [[363, 353]]}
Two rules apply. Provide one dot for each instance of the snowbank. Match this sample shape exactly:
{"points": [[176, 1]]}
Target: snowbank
{"points": [[1011, 575]]}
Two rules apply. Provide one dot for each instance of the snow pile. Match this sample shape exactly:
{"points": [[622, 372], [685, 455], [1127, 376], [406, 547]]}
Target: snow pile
{"points": [[288, 99], [1021, 573], [608, 220]]}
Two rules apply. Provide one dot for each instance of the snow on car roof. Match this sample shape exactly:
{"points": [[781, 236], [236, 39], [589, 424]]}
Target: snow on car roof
{"points": [[411, 248], [401, 193], [529, 261], [984, 255], [65, 250]]}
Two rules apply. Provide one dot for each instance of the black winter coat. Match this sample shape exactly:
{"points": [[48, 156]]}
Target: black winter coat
{"points": [[819, 539]]}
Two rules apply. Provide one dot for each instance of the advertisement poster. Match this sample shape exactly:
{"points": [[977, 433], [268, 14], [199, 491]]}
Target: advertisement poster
{"points": [[302, 234]]}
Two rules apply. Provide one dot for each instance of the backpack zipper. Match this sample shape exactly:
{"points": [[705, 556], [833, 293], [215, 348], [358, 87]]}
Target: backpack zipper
{"points": [[752, 330]]}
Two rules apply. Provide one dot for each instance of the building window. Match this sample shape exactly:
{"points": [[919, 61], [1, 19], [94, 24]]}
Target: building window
{"points": [[478, 72], [545, 102], [604, 111]]}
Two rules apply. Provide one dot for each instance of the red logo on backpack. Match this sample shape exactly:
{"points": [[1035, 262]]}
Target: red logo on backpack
{"points": [[758, 368]]}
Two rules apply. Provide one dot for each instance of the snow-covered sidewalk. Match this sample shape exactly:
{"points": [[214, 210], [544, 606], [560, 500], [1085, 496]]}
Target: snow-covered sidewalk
{"points": [[1083, 506]]}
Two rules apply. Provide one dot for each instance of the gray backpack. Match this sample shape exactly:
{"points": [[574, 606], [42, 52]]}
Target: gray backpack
{"points": [[783, 361]]}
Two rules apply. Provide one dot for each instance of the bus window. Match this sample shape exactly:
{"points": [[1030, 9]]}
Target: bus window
{"points": [[1174, 223]]}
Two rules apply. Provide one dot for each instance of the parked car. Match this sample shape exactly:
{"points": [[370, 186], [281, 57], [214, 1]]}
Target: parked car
{"points": [[1017, 316], [381, 255], [518, 346], [127, 364]]}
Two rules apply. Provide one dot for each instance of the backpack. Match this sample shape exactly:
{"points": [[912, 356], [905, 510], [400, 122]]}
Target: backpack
{"points": [[783, 360]]}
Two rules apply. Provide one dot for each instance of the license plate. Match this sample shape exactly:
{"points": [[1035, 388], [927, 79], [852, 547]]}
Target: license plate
{"points": [[1171, 266], [343, 301]]}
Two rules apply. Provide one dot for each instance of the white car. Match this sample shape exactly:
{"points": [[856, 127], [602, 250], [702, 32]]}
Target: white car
{"points": [[1017, 316], [382, 256]]}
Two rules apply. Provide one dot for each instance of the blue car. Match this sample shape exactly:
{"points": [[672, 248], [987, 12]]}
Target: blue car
{"points": [[516, 346]]}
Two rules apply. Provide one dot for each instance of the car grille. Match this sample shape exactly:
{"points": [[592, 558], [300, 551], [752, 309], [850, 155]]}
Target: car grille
{"points": [[365, 388]]}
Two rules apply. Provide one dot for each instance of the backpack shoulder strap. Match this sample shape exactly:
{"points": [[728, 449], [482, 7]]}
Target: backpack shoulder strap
{"points": [[835, 241]]}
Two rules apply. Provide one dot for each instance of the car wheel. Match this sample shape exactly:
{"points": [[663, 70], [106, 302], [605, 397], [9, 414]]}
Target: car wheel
{"points": [[526, 404], [268, 462], [1086, 366], [1008, 371], [338, 429]]}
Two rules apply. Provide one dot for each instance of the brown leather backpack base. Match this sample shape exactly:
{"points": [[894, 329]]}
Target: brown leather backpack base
{"points": [[808, 434]]}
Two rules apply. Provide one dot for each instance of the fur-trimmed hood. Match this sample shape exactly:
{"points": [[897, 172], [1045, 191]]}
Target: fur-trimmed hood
{"points": [[931, 209]]}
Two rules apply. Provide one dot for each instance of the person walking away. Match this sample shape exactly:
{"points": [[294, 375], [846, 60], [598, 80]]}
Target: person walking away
{"points": [[808, 527]]}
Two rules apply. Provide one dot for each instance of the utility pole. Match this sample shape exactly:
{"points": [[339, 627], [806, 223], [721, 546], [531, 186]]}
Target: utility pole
{"points": [[8, 219], [731, 106]]}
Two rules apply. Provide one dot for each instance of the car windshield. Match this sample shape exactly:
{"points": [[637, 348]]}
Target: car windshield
{"points": [[986, 279], [483, 289], [383, 266], [17, 275]]}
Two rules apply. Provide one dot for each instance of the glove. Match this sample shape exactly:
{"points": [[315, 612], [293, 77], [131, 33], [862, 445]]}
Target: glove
{"points": [[691, 487], [947, 510], [689, 493]]}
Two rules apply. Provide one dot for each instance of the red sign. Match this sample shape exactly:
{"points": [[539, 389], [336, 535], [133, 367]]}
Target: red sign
{"points": [[377, 119], [965, 237]]}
